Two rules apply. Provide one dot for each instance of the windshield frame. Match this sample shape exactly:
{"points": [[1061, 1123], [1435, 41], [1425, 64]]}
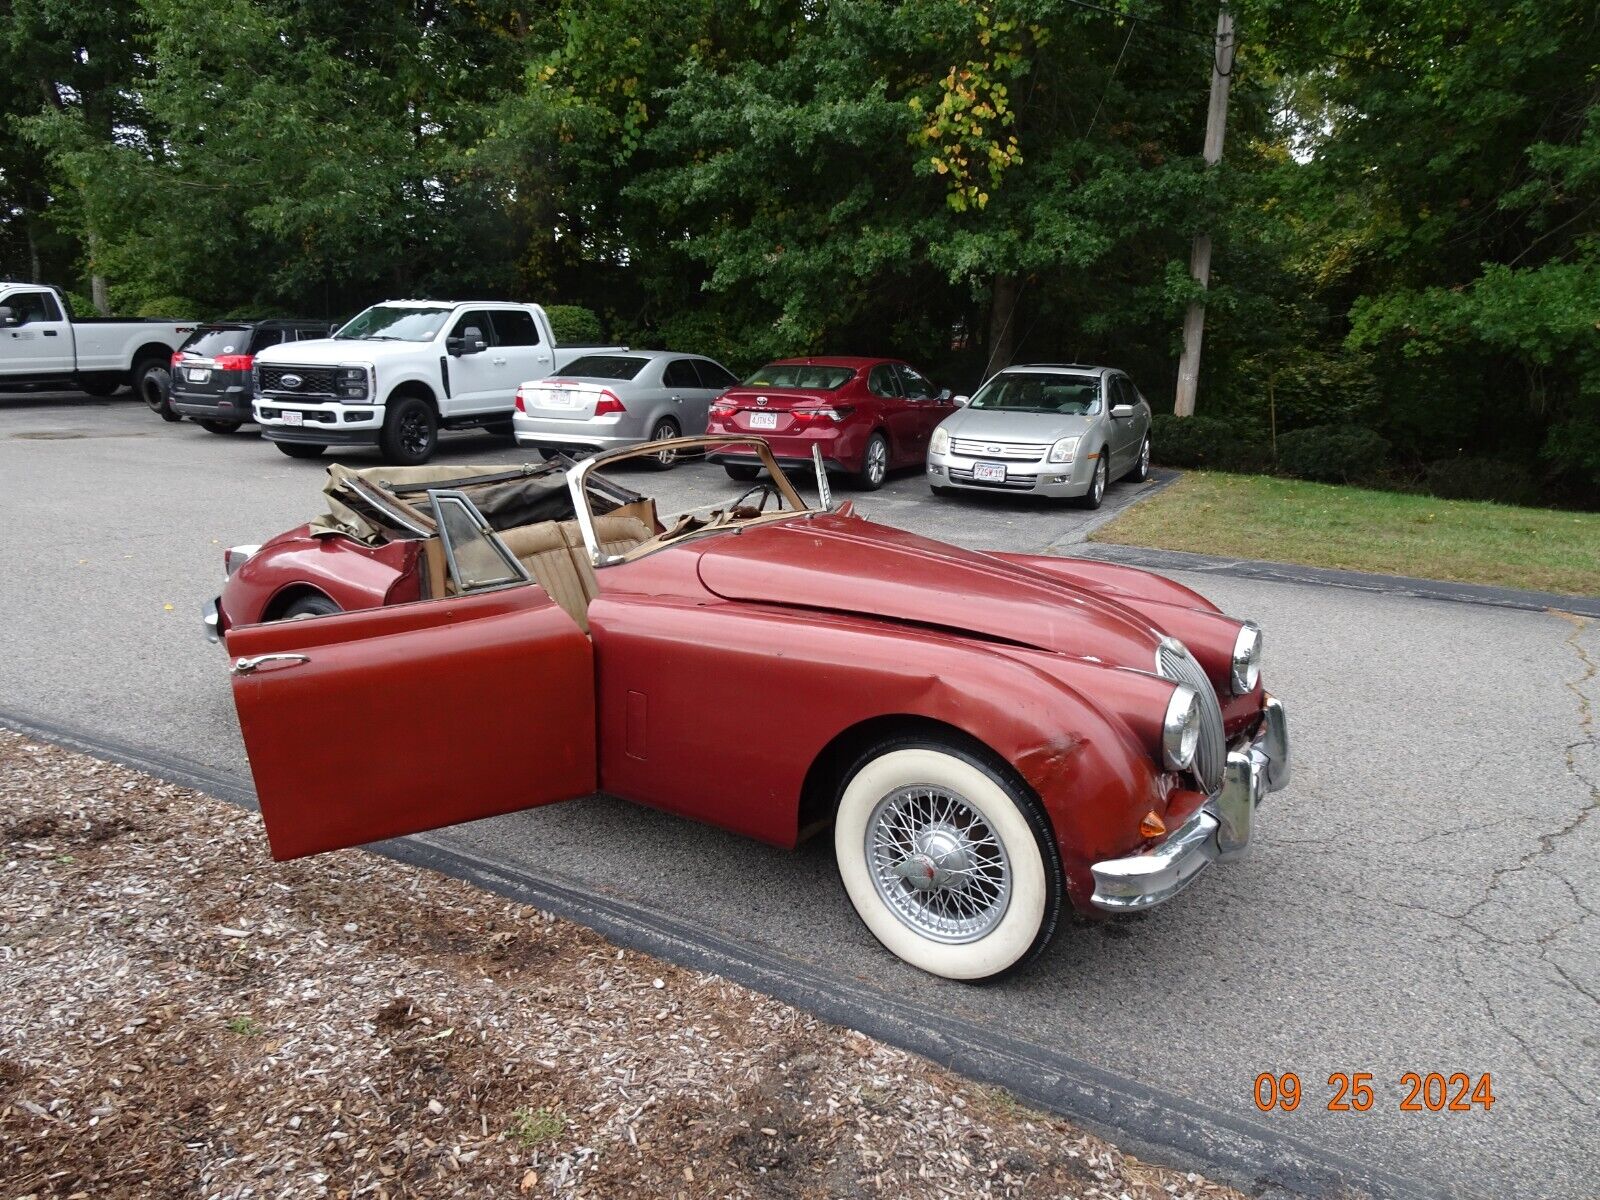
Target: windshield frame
{"points": [[578, 475], [1000, 378], [401, 311]]}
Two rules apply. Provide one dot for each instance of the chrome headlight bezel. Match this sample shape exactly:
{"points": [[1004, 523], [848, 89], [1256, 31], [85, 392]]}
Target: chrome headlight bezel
{"points": [[1180, 729], [1063, 450], [940, 442], [1246, 672]]}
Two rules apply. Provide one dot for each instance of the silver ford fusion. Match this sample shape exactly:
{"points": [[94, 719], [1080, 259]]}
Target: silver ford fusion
{"points": [[604, 401], [1044, 430]]}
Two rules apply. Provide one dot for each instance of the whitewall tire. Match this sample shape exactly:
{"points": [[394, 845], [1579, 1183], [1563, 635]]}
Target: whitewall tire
{"points": [[951, 865]]}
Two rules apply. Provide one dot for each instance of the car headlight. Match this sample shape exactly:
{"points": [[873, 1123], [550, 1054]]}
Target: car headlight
{"points": [[1063, 450], [353, 383], [940, 442], [1247, 659], [1180, 729]]}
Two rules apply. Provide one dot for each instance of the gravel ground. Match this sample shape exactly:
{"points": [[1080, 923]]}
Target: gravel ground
{"points": [[185, 1017]]}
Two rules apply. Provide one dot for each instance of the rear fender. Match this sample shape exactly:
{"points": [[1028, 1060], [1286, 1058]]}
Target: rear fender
{"points": [[354, 576]]}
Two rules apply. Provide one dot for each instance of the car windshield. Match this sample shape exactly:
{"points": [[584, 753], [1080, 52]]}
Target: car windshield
{"points": [[1040, 392], [801, 375], [386, 323], [707, 502], [603, 366]]}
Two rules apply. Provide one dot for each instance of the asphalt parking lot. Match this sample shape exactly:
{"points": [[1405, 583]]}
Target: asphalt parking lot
{"points": [[1421, 898]]}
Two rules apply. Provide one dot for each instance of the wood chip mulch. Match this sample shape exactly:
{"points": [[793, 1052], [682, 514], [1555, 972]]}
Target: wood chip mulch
{"points": [[179, 1015]]}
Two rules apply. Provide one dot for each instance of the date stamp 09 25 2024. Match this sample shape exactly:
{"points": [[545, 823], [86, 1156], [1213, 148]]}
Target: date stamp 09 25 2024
{"points": [[1352, 1091]]}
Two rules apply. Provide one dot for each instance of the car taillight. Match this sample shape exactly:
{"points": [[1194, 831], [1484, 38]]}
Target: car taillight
{"points": [[835, 413], [234, 362], [177, 357], [608, 403], [522, 406]]}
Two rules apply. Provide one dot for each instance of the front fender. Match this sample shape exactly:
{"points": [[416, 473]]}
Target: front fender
{"points": [[763, 692]]}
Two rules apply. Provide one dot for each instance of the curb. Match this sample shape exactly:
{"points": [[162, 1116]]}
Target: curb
{"points": [[1154, 1125], [1361, 581]]}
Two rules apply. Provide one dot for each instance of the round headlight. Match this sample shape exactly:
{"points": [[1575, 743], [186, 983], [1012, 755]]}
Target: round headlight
{"points": [[1247, 658], [1180, 728]]}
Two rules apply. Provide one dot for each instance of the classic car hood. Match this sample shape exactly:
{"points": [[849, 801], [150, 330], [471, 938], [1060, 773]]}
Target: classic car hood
{"points": [[989, 424], [846, 564]]}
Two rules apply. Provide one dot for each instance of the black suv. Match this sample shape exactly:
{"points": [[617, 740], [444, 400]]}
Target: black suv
{"points": [[211, 371]]}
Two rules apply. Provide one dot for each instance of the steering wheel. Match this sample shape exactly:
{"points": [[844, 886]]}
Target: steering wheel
{"points": [[768, 492]]}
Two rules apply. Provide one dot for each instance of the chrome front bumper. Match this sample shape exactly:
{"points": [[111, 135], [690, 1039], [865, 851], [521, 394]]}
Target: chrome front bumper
{"points": [[1220, 831], [211, 617]]}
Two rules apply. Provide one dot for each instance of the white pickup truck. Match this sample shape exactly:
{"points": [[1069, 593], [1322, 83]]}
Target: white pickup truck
{"points": [[41, 342], [401, 371]]}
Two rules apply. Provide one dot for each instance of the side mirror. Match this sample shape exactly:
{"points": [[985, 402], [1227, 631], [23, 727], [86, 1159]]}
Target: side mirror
{"points": [[1122, 412], [960, 401], [945, 395], [470, 342], [6, 316]]}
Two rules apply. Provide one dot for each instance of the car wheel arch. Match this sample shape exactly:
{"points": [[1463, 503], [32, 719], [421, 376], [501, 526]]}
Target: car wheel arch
{"points": [[409, 388], [287, 596], [830, 769]]}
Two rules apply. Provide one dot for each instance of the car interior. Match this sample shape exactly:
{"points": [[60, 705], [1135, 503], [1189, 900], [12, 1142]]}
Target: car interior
{"points": [[500, 527]]}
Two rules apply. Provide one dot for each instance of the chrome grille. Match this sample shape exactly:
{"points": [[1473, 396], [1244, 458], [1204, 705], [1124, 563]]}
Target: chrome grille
{"points": [[1022, 483], [1014, 451], [315, 382], [1174, 662]]}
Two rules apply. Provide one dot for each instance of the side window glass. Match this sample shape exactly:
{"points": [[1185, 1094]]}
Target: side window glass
{"points": [[264, 338], [917, 388], [714, 375], [680, 372], [474, 320], [1124, 390], [514, 327], [476, 557], [881, 381], [27, 307]]}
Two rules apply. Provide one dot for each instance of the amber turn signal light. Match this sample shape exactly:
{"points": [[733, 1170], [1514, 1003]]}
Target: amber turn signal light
{"points": [[1152, 825]]}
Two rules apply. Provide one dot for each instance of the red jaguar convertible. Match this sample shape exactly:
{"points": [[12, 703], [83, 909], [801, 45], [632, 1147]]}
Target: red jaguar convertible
{"points": [[988, 736]]}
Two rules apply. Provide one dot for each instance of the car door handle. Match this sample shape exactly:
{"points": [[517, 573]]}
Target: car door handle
{"points": [[248, 666], [499, 362], [50, 333], [677, 399]]}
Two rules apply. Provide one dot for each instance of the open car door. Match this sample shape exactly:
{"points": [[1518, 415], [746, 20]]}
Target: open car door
{"points": [[387, 721]]}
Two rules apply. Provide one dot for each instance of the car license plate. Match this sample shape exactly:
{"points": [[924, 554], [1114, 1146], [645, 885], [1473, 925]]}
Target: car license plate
{"points": [[198, 375], [763, 420], [558, 398], [290, 417], [989, 472]]}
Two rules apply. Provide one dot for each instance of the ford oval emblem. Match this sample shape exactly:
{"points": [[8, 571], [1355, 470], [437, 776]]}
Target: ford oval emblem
{"points": [[290, 381], [991, 449], [761, 399]]}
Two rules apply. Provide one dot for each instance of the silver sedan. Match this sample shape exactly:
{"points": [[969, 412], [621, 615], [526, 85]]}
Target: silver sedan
{"points": [[1044, 430], [603, 401]]}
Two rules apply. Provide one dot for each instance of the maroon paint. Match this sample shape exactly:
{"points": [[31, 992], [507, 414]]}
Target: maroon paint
{"points": [[906, 424]]}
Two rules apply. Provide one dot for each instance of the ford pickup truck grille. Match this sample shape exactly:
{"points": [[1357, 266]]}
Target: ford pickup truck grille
{"points": [[1174, 662], [310, 382]]}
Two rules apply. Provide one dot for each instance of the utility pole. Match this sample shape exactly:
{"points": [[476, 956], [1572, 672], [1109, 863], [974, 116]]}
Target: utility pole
{"points": [[1194, 321]]}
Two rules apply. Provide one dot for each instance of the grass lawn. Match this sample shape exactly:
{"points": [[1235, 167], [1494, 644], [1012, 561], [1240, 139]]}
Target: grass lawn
{"points": [[1286, 520]]}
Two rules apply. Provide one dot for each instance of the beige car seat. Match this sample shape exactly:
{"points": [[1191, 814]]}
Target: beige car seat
{"points": [[558, 560]]}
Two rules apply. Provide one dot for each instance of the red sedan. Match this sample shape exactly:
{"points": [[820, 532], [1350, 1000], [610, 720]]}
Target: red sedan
{"points": [[867, 416], [989, 736]]}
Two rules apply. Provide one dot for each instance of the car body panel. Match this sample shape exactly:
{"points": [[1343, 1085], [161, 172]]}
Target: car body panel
{"points": [[479, 674], [354, 576]]}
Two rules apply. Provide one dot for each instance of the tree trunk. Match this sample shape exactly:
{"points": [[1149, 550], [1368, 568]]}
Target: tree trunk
{"points": [[1002, 322], [98, 295], [33, 252]]}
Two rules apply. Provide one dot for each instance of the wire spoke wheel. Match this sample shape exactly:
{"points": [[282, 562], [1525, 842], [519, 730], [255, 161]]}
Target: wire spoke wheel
{"points": [[937, 863]]}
